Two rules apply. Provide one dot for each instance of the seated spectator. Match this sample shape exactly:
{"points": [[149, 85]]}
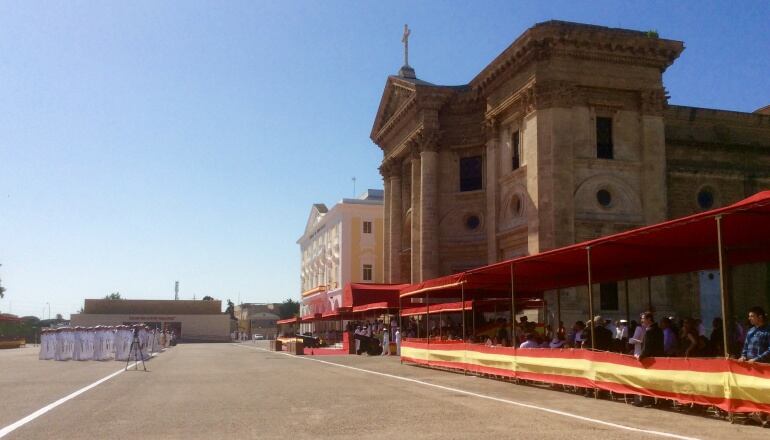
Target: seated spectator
{"points": [[716, 346], [556, 342], [691, 342], [531, 342]]}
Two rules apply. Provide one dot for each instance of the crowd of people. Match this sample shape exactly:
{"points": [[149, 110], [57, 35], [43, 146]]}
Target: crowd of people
{"points": [[102, 343], [375, 338], [685, 337]]}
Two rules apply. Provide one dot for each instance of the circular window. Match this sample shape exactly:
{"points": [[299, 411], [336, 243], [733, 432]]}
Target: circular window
{"points": [[706, 198], [604, 197], [472, 222]]}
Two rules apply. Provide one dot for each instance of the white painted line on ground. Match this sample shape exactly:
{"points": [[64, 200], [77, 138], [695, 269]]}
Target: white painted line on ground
{"points": [[484, 396], [19, 423]]}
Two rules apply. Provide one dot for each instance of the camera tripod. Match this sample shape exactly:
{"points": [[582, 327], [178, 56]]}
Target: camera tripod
{"points": [[136, 350]]}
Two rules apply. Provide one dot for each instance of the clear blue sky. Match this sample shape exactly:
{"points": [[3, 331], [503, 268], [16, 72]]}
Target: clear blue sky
{"points": [[147, 142]]}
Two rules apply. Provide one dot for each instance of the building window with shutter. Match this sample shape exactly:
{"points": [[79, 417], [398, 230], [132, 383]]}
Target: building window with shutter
{"points": [[367, 272], [470, 173], [516, 150], [609, 296], [367, 227], [604, 138]]}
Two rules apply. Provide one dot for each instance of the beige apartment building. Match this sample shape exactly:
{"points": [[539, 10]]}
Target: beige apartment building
{"points": [[344, 244]]}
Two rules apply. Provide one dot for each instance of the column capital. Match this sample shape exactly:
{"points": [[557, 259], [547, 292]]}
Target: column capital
{"points": [[413, 147], [429, 140], [390, 168], [491, 127]]}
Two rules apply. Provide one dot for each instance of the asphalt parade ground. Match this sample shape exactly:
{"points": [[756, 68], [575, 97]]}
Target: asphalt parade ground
{"points": [[211, 391]]}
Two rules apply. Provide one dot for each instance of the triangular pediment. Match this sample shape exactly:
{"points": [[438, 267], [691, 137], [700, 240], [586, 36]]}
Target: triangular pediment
{"points": [[398, 92], [317, 213]]}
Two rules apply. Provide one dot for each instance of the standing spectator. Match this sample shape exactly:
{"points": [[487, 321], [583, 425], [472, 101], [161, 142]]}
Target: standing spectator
{"points": [[611, 327], [757, 346], [652, 346], [669, 337], [621, 332], [690, 339], [397, 338], [385, 341], [716, 341], [637, 338], [602, 336]]}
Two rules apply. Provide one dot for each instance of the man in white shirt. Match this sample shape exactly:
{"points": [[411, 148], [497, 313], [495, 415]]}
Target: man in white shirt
{"points": [[385, 341], [531, 342], [398, 341]]}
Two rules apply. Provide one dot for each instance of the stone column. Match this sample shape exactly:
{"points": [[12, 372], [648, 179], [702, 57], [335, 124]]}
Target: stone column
{"points": [[416, 275], [429, 264], [385, 172], [394, 232], [492, 164]]}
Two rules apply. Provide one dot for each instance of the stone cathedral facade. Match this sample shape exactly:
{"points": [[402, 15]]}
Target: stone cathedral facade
{"points": [[566, 136]]}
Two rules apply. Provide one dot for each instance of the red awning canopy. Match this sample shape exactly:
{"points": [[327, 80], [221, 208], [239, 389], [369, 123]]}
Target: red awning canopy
{"points": [[677, 246], [373, 306], [334, 315], [310, 318], [478, 305], [438, 308], [359, 294], [287, 321]]}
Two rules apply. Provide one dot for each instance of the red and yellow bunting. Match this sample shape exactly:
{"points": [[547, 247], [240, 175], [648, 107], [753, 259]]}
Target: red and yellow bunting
{"points": [[728, 384]]}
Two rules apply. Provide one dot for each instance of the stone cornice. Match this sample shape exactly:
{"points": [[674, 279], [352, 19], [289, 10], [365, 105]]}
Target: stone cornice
{"points": [[580, 41], [424, 98], [408, 108]]}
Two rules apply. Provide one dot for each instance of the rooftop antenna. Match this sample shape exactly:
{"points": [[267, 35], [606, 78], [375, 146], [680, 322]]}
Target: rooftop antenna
{"points": [[354, 186], [176, 290]]}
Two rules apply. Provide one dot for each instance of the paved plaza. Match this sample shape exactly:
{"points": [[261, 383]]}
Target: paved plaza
{"points": [[243, 391]]}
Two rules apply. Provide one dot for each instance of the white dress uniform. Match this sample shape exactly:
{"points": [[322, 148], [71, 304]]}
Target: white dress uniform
{"points": [[121, 348], [67, 343], [43, 345]]}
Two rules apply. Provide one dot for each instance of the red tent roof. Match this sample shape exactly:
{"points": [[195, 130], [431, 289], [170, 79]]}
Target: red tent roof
{"points": [[678, 246], [374, 306], [484, 305], [359, 294], [309, 318]]}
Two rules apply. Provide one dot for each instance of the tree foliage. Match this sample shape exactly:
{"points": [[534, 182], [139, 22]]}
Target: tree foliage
{"points": [[230, 309], [208, 298], [113, 295], [288, 308], [2, 289]]}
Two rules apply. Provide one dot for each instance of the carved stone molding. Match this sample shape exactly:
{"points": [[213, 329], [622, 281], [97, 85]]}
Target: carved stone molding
{"points": [[413, 148], [429, 140], [653, 101], [557, 94], [491, 127]]}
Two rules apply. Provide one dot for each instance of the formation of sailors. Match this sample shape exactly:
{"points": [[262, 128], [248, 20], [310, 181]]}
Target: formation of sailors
{"points": [[102, 343]]}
